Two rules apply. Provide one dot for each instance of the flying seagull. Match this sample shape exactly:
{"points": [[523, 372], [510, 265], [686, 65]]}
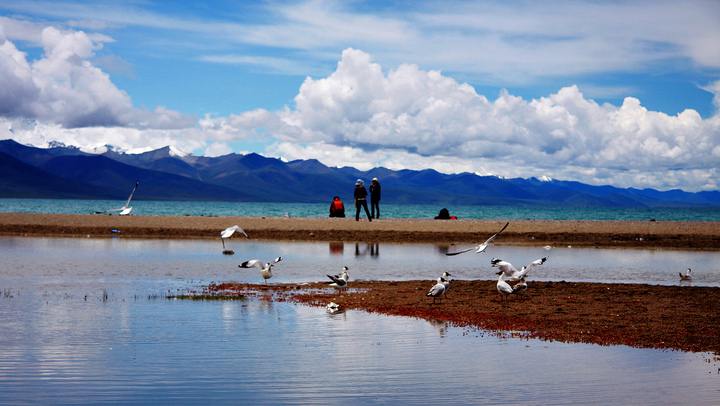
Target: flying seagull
{"points": [[340, 280], [686, 276], [227, 233], [481, 247], [512, 273], [265, 267], [125, 210]]}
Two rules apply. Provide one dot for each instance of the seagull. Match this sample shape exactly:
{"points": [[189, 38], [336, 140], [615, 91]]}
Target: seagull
{"points": [[227, 233], [481, 247], [520, 287], [340, 280], [125, 210], [686, 276], [439, 289], [333, 307], [512, 273], [503, 287], [446, 281], [265, 267]]}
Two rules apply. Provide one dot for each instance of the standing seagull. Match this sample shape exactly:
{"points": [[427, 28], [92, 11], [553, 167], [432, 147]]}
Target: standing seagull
{"points": [[686, 276], [520, 287], [512, 273], [439, 289], [125, 210], [481, 247], [341, 280], [446, 281], [227, 233], [265, 267], [503, 287]]}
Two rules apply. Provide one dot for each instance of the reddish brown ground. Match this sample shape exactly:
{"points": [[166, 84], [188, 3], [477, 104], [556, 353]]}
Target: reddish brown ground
{"points": [[648, 316]]}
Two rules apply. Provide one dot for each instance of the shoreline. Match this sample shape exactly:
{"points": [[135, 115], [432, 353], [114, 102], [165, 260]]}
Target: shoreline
{"points": [[685, 235]]}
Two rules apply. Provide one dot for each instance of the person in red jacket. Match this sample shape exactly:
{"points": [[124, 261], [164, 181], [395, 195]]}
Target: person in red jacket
{"points": [[337, 209]]}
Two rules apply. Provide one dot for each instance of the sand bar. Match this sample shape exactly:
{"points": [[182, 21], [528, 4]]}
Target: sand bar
{"points": [[693, 235]]}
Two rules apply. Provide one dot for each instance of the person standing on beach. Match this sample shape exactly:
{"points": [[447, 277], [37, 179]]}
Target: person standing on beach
{"points": [[375, 199], [361, 199]]}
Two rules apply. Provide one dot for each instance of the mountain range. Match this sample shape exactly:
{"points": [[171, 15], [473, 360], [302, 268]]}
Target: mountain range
{"points": [[64, 172]]}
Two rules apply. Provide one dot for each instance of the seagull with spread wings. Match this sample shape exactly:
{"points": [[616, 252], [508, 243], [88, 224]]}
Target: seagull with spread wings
{"points": [[265, 267], [126, 209], [481, 247], [513, 274]]}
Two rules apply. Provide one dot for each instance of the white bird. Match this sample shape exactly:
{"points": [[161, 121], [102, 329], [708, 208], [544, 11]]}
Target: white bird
{"points": [[520, 287], [438, 290], [333, 307], [125, 210], [340, 280], [512, 273], [503, 287], [481, 247], [265, 267], [446, 281], [227, 233], [686, 276]]}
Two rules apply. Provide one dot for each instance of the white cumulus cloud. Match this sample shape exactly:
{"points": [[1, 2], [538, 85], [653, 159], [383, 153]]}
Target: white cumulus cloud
{"points": [[63, 87]]}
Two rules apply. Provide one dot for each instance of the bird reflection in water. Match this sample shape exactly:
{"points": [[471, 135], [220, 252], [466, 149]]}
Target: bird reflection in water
{"points": [[440, 326]]}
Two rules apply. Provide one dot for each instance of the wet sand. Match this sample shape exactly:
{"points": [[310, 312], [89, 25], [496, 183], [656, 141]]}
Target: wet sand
{"points": [[669, 317], [702, 235]]}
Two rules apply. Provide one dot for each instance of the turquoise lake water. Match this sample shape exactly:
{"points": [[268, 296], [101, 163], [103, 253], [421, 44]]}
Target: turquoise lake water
{"points": [[177, 208]]}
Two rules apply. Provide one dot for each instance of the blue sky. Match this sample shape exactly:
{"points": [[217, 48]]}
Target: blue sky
{"points": [[620, 93]]}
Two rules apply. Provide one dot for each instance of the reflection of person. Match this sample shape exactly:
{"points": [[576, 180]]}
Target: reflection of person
{"points": [[337, 208], [375, 199], [361, 200], [445, 215]]}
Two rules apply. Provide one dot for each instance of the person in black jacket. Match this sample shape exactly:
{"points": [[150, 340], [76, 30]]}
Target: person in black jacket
{"points": [[361, 199], [375, 199]]}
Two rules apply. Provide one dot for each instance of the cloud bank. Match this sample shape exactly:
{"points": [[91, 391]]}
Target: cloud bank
{"points": [[65, 88], [363, 116]]}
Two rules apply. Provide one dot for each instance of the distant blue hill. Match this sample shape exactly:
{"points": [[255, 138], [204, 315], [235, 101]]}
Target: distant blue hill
{"points": [[164, 174]]}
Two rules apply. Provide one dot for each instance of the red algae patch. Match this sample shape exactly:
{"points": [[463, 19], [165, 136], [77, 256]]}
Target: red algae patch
{"points": [[681, 318]]}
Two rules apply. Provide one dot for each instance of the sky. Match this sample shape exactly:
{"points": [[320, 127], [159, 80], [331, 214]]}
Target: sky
{"points": [[622, 93]]}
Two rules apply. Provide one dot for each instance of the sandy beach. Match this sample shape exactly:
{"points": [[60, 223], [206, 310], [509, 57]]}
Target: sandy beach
{"points": [[668, 317], [699, 235]]}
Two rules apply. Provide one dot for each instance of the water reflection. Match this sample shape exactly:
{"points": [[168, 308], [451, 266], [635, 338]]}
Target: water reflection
{"points": [[60, 262], [87, 319], [364, 249], [153, 351], [337, 247]]}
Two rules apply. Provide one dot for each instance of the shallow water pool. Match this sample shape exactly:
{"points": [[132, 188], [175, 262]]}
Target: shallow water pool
{"points": [[86, 321]]}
